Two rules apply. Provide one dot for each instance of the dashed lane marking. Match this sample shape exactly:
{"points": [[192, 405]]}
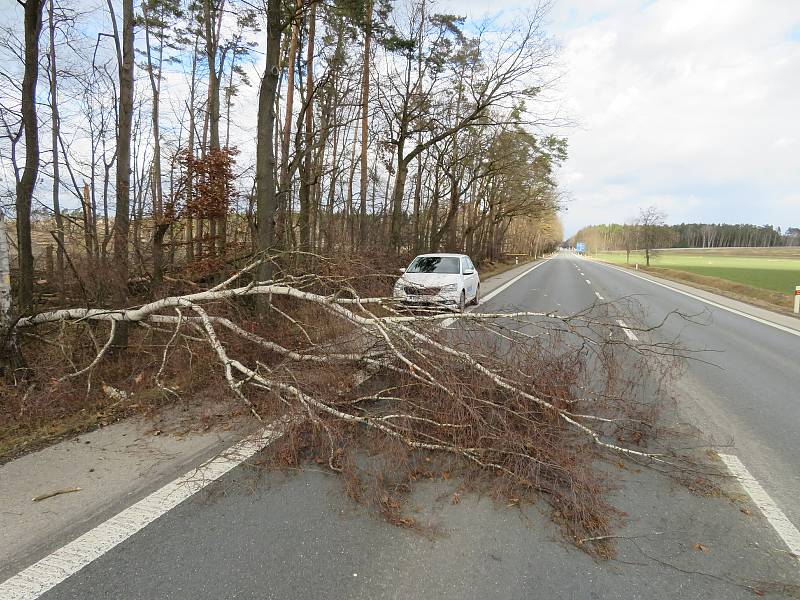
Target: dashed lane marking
{"points": [[599, 297]]}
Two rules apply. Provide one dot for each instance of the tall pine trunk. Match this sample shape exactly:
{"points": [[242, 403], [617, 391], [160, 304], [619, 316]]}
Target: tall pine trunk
{"points": [[123, 180], [55, 125], [365, 127], [304, 217]]}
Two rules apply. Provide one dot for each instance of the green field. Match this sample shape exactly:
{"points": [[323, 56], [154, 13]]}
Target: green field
{"points": [[769, 269]]}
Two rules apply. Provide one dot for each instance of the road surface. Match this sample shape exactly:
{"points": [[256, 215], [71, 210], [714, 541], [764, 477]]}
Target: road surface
{"points": [[266, 535]]}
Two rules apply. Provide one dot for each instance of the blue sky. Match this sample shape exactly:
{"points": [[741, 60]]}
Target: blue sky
{"points": [[689, 105]]}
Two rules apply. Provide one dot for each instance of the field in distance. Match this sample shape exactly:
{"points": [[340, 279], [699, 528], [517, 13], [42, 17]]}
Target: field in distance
{"points": [[764, 276]]}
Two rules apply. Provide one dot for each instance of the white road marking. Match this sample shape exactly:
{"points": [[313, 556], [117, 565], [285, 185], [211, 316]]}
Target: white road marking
{"points": [[587, 281], [711, 302], [42, 576], [599, 297], [628, 332], [449, 321], [508, 284], [785, 528]]}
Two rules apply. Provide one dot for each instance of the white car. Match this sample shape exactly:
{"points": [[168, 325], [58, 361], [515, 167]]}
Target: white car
{"points": [[449, 279]]}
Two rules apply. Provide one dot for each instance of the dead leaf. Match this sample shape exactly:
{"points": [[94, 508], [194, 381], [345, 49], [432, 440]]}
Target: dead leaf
{"points": [[701, 548]]}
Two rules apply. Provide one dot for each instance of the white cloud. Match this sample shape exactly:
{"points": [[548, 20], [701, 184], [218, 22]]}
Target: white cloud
{"points": [[691, 105]]}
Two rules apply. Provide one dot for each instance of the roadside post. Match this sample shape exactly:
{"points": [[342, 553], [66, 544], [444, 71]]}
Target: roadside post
{"points": [[797, 299]]}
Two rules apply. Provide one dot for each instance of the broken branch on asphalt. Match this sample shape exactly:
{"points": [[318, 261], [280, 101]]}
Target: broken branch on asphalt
{"points": [[501, 392]]}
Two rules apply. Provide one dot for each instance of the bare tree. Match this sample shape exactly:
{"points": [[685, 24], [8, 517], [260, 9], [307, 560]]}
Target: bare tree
{"points": [[649, 224]]}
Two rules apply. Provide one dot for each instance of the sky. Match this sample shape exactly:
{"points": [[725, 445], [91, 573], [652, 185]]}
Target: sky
{"points": [[692, 106]]}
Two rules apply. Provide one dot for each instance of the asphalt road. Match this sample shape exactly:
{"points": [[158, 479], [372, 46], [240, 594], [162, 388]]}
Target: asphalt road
{"points": [[266, 535], [750, 394]]}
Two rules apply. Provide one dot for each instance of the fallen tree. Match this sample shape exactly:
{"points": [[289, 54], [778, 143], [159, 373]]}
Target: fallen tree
{"points": [[518, 403]]}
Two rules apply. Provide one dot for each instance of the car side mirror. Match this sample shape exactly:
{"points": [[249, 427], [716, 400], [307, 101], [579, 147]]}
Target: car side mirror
{"points": [[402, 270], [469, 272]]}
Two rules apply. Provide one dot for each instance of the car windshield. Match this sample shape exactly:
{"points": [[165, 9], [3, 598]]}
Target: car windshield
{"points": [[434, 264]]}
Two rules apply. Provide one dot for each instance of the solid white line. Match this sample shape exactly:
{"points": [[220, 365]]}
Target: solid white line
{"points": [[782, 525], [587, 281], [599, 297], [508, 284], [68, 560], [710, 302], [628, 332]]}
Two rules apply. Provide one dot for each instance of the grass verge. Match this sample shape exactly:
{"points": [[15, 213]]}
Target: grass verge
{"points": [[764, 277]]}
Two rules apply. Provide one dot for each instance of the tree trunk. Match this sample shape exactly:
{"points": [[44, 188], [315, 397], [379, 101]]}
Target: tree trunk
{"points": [[122, 211], [211, 13], [304, 218], [266, 199], [26, 184], [158, 192], [284, 184], [417, 201], [10, 356], [365, 127], [55, 125], [397, 200]]}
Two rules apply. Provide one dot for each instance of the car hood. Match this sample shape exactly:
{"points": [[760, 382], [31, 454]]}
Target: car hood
{"points": [[428, 279]]}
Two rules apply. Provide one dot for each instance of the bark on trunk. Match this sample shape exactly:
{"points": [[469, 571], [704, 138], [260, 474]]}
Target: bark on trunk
{"points": [[26, 184], [55, 126], [122, 211], [266, 199], [304, 218], [365, 127]]}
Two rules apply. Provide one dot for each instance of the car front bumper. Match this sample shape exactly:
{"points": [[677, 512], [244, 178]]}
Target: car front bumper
{"points": [[442, 298]]}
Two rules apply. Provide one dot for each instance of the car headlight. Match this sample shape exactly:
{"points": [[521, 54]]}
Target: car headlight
{"points": [[450, 287]]}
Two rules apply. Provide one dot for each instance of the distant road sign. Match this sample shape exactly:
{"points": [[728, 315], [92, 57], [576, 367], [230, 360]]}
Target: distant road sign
{"points": [[580, 247]]}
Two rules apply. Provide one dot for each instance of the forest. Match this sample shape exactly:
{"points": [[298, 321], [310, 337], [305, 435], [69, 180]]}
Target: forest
{"points": [[686, 235], [176, 139]]}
